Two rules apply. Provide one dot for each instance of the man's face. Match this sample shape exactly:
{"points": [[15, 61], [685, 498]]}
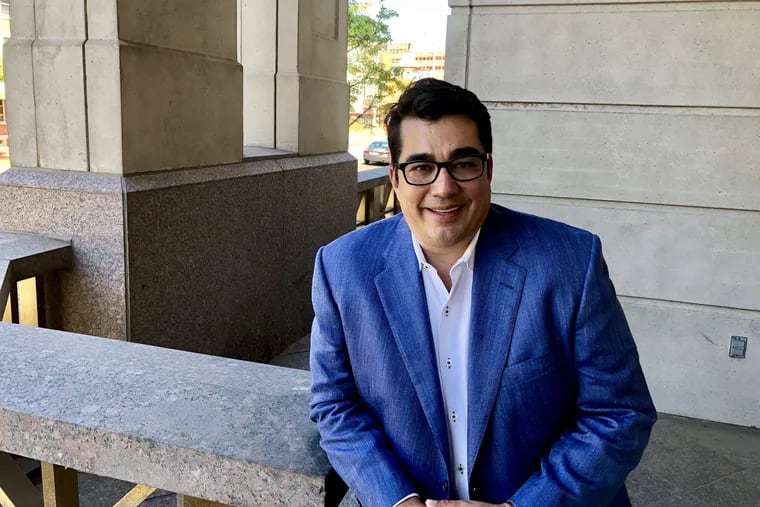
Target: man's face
{"points": [[445, 215]]}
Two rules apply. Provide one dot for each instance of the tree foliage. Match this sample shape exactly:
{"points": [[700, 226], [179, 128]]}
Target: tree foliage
{"points": [[368, 37]]}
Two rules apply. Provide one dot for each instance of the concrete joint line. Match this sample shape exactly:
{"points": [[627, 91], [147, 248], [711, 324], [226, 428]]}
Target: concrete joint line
{"points": [[623, 108]]}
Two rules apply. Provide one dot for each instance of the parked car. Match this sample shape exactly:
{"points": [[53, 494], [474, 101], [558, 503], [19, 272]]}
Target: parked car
{"points": [[377, 153]]}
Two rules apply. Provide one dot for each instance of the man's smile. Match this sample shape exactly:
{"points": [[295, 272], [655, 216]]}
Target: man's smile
{"points": [[446, 211]]}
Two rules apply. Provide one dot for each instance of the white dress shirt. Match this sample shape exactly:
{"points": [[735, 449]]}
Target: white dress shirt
{"points": [[450, 313]]}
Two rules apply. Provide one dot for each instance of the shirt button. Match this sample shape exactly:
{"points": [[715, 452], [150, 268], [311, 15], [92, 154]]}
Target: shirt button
{"points": [[446, 312], [449, 362], [460, 469], [453, 416]]}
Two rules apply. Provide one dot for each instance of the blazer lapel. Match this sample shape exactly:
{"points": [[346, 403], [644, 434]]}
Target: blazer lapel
{"points": [[496, 292], [403, 298]]}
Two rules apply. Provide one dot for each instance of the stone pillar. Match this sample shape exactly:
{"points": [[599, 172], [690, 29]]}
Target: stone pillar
{"points": [[258, 54], [124, 87], [19, 84], [295, 94], [126, 133], [181, 84], [312, 93]]}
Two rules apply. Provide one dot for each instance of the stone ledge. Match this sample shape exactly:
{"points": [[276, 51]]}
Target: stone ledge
{"points": [[27, 255], [259, 161], [225, 430], [34, 177], [21, 248]]}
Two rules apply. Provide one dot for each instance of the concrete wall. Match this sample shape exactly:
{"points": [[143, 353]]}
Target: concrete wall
{"points": [[640, 122]]}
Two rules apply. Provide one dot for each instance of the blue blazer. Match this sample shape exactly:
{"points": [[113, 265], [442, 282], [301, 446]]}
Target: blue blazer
{"points": [[559, 411]]}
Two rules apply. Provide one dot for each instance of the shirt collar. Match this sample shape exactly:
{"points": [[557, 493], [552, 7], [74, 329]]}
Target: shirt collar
{"points": [[467, 257]]}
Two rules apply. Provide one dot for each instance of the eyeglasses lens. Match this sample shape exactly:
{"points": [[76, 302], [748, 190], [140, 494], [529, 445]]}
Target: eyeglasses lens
{"points": [[460, 169]]}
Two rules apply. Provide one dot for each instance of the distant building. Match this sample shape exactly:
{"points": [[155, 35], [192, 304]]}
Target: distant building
{"points": [[416, 64]]}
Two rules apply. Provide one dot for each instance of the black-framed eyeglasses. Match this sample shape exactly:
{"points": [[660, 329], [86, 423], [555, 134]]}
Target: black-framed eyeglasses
{"points": [[425, 172]]}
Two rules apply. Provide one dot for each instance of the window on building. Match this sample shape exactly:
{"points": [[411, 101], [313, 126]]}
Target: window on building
{"points": [[2, 110]]}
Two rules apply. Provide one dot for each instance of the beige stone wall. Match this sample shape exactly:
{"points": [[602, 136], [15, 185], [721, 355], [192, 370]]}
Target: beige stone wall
{"points": [[312, 93], [124, 87], [639, 121], [295, 94], [258, 54]]}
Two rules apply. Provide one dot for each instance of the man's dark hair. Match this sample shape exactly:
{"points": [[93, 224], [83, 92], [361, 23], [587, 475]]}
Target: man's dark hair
{"points": [[430, 99]]}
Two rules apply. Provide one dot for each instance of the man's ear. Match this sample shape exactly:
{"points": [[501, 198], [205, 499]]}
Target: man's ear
{"points": [[393, 175], [489, 168]]}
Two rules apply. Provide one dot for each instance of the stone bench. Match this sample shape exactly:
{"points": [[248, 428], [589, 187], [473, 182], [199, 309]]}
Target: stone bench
{"points": [[218, 429]]}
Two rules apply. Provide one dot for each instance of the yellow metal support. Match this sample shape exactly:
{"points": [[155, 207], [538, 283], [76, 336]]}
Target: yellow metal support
{"points": [[15, 489], [60, 486], [136, 496]]}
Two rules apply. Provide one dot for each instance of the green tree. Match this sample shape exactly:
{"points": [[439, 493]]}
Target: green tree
{"points": [[368, 37]]}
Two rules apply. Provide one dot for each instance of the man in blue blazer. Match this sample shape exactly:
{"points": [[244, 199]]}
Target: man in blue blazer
{"points": [[466, 354]]}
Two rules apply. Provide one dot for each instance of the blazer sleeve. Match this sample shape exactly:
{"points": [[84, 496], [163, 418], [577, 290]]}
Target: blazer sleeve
{"points": [[351, 436], [589, 463]]}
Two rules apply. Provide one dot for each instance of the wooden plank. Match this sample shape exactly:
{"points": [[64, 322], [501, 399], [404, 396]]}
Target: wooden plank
{"points": [[136, 496], [361, 213], [15, 488], [14, 303], [39, 286], [373, 205], [53, 299], [59, 486]]}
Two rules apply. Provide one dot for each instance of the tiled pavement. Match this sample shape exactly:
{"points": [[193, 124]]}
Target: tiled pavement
{"points": [[688, 463]]}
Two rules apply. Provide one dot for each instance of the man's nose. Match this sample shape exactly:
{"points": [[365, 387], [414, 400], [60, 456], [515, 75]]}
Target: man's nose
{"points": [[444, 184]]}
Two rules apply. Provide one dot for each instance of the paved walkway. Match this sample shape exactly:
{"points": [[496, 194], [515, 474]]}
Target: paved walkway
{"points": [[689, 462]]}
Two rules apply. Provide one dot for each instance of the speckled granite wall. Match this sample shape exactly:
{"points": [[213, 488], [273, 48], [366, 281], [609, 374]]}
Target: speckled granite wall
{"points": [[315, 213], [215, 260], [88, 209]]}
